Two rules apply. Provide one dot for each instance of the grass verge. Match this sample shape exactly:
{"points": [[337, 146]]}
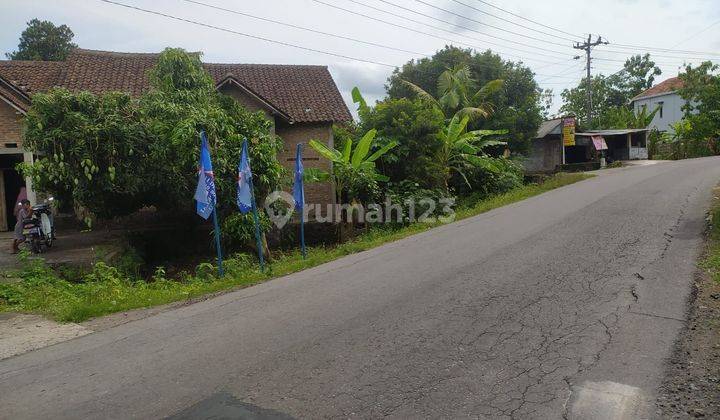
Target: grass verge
{"points": [[107, 290], [711, 262]]}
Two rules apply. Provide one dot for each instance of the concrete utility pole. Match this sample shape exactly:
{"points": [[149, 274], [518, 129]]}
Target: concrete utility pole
{"points": [[587, 46]]}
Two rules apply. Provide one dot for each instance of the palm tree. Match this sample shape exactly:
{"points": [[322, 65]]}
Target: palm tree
{"points": [[454, 96], [461, 150]]}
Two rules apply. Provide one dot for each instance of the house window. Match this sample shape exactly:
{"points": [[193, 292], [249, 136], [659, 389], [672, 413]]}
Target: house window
{"points": [[660, 111]]}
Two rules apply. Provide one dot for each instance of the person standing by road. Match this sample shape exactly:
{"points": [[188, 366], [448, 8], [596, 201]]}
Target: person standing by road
{"points": [[24, 213]]}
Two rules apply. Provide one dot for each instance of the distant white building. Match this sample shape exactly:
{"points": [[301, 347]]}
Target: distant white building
{"points": [[665, 96]]}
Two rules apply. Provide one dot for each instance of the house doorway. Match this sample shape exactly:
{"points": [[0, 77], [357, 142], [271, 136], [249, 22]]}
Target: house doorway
{"points": [[10, 184]]}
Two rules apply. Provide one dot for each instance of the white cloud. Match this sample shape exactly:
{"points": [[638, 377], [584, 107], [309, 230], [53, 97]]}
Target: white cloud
{"points": [[99, 25]]}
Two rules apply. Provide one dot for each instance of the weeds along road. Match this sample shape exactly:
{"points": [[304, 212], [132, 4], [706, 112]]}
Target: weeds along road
{"points": [[567, 304]]}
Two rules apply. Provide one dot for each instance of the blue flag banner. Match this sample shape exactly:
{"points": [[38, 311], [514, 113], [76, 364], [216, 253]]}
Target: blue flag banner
{"points": [[299, 195], [205, 192], [298, 187], [246, 198], [244, 187]]}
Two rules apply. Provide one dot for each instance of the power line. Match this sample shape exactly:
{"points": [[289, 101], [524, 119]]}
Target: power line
{"points": [[670, 50], [627, 46], [290, 25], [483, 23], [428, 33], [554, 64], [287, 44], [513, 23], [455, 25], [695, 34], [526, 19], [663, 56], [562, 72], [661, 63], [444, 30]]}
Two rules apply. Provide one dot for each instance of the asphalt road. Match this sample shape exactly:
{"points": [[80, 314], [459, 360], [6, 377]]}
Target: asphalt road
{"points": [[565, 304]]}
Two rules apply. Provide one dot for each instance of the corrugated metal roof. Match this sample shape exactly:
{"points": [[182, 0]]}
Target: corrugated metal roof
{"points": [[547, 127], [615, 132]]}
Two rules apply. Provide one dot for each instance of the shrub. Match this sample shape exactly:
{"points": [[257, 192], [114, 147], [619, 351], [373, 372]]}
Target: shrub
{"points": [[507, 175], [408, 193]]}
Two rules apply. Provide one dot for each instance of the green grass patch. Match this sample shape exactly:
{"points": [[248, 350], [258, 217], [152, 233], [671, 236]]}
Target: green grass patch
{"points": [[711, 262], [109, 289]]}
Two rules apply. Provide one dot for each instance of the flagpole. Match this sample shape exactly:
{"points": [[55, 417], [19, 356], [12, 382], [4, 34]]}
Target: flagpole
{"points": [[258, 238], [221, 272], [302, 232], [299, 181]]}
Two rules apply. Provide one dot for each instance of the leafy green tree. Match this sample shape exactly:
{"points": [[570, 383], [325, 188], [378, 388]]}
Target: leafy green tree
{"points": [[609, 92], [113, 154], [701, 91], [414, 126], [183, 101], [517, 106], [91, 149], [42, 40], [575, 101]]}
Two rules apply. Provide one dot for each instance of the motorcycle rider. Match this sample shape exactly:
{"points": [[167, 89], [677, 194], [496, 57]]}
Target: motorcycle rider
{"points": [[24, 213]]}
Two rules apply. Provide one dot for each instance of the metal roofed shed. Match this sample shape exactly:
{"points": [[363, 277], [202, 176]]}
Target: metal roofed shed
{"points": [[622, 144], [548, 154]]}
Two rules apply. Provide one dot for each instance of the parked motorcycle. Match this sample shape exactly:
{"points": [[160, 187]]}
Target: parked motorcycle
{"points": [[39, 229]]}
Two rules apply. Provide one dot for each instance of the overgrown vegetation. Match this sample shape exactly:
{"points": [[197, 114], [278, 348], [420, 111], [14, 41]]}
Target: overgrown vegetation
{"points": [[611, 95], [516, 106], [711, 262], [112, 154], [108, 289]]}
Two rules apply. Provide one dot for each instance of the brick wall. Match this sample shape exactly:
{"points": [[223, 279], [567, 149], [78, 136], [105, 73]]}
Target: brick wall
{"points": [[10, 127], [292, 134], [245, 99]]}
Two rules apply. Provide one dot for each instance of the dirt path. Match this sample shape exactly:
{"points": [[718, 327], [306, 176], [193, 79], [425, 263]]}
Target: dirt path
{"points": [[21, 333], [692, 384]]}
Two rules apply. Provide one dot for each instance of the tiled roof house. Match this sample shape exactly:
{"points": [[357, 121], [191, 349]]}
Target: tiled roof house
{"points": [[302, 101], [665, 98]]}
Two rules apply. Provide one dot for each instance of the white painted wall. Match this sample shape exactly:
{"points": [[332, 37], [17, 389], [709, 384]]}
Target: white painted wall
{"points": [[672, 111]]}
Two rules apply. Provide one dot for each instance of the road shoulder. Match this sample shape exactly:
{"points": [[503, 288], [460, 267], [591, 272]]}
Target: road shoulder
{"points": [[691, 387]]}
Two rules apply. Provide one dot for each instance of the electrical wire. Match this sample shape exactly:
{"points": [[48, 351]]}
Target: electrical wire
{"points": [[455, 41], [287, 44], [526, 19], [450, 12], [290, 25], [441, 29], [513, 23], [695, 34]]}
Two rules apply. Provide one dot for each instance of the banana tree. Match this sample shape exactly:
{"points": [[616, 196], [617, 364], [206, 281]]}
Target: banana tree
{"points": [[352, 169], [461, 150]]}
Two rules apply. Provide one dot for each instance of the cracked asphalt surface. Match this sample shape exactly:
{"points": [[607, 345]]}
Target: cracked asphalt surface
{"points": [[563, 305]]}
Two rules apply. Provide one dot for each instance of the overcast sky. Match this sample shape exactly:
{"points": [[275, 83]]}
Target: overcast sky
{"points": [[669, 24]]}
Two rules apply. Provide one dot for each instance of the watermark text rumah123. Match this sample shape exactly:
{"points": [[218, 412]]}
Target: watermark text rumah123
{"points": [[279, 204]]}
